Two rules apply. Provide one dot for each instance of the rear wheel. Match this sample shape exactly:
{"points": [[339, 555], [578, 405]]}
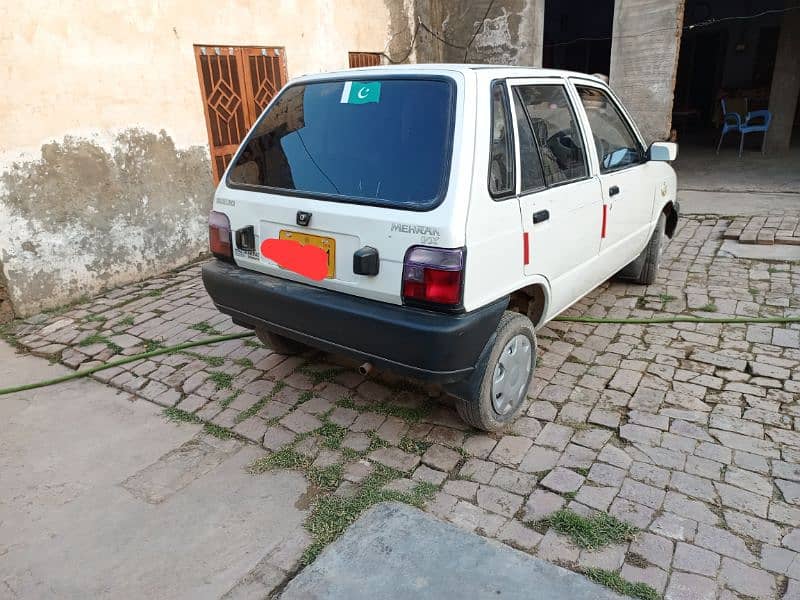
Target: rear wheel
{"points": [[279, 343], [499, 386], [644, 269]]}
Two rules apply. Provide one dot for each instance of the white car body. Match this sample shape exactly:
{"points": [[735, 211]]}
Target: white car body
{"points": [[533, 242], [568, 258]]}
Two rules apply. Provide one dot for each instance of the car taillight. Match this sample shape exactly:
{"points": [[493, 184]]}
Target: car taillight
{"points": [[433, 276], [219, 235]]}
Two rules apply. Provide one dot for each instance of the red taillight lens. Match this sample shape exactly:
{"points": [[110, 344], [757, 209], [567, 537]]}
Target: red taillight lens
{"points": [[219, 235], [433, 276]]}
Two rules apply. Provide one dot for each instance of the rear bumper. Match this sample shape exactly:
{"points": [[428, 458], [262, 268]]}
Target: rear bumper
{"points": [[427, 345]]}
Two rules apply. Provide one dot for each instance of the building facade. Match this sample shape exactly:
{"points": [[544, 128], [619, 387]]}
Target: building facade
{"points": [[118, 117]]}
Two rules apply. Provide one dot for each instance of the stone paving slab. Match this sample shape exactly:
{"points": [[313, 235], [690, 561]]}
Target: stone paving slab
{"points": [[396, 551], [690, 432]]}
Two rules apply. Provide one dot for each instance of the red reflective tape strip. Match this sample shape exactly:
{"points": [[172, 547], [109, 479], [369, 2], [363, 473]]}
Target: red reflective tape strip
{"points": [[525, 251], [603, 228]]}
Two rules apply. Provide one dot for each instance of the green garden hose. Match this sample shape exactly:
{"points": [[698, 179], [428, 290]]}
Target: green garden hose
{"points": [[236, 336]]}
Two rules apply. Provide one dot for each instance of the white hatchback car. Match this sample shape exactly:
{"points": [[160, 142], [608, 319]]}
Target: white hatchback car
{"points": [[428, 218]]}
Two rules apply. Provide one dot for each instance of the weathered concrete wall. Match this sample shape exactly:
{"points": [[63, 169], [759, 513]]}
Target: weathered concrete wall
{"points": [[644, 60], [6, 310], [511, 34], [783, 95], [104, 171]]}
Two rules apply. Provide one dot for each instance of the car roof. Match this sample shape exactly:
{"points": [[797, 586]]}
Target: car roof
{"points": [[485, 70]]}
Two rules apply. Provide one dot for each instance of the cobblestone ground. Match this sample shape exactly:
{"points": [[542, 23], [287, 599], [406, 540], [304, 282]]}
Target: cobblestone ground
{"points": [[690, 432]]}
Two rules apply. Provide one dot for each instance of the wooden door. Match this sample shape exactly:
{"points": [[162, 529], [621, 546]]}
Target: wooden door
{"points": [[364, 59], [236, 84]]}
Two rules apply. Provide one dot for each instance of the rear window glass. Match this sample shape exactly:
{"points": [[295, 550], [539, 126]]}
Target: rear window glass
{"points": [[382, 142]]}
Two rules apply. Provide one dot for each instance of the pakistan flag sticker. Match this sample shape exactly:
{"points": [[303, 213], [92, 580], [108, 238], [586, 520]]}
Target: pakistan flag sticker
{"points": [[361, 92]]}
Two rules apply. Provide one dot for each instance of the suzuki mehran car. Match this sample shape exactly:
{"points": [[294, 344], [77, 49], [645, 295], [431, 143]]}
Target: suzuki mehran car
{"points": [[427, 219]]}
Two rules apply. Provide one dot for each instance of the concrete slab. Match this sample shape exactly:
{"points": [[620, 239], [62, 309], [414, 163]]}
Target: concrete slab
{"points": [[101, 497], [396, 551], [737, 203], [780, 252]]}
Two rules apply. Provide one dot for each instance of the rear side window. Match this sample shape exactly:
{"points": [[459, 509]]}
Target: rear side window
{"points": [[501, 153], [556, 132], [385, 142], [616, 144]]}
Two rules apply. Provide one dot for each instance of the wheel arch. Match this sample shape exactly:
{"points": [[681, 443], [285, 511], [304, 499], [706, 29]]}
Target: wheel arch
{"points": [[533, 301]]}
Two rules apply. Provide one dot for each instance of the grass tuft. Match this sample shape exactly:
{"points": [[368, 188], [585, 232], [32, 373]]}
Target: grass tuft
{"points": [[218, 432], [97, 338], [205, 328], [332, 435], [127, 320], [592, 532], [408, 444], [222, 380], [153, 345], [244, 362], [246, 414], [333, 514], [710, 307], [614, 581], [179, 415]]}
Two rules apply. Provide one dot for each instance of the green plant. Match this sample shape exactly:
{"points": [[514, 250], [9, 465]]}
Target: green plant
{"points": [[222, 380], [710, 307], [97, 338], [205, 328], [596, 531], [127, 320], [614, 581], [333, 514]]}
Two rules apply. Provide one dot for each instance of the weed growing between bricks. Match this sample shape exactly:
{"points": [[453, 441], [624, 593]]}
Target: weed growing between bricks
{"points": [[613, 580], [181, 416], [592, 532], [331, 513]]}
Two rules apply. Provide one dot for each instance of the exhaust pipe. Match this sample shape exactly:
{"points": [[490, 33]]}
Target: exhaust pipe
{"points": [[365, 368]]}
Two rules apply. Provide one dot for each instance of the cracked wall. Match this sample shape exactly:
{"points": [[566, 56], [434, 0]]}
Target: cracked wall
{"points": [[89, 214], [104, 167], [511, 33]]}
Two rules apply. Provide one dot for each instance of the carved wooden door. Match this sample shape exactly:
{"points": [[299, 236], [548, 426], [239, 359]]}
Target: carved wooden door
{"points": [[236, 84]]}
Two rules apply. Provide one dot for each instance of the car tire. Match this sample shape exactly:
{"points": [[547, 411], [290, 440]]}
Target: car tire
{"points": [[279, 343], [496, 392], [644, 269]]}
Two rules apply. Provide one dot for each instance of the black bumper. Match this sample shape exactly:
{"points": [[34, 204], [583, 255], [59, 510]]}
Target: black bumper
{"points": [[427, 345]]}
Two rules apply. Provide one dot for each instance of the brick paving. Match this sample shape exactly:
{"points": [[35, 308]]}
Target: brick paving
{"points": [[690, 432], [781, 229]]}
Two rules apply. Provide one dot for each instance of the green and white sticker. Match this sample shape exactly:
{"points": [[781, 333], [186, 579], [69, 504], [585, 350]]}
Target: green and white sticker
{"points": [[361, 92]]}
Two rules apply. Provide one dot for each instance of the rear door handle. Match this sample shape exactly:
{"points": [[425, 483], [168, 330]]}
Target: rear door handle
{"points": [[541, 216], [613, 190]]}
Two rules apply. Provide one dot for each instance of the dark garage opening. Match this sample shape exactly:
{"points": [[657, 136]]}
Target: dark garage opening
{"points": [[577, 35]]}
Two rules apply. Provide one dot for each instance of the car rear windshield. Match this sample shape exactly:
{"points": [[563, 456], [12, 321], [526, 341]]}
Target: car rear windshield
{"points": [[383, 141]]}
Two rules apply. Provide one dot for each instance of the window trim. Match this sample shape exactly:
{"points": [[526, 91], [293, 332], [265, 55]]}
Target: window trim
{"points": [[627, 121], [522, 191], [447, 165], [564, 84], [512, 141]]}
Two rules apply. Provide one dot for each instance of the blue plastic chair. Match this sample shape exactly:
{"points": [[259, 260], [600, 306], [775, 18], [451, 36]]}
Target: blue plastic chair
{"points": [[731, 121], [755, 121]]}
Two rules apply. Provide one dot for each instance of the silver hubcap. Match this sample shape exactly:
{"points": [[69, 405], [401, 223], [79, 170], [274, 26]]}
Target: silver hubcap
{"points": [[511, 374]]}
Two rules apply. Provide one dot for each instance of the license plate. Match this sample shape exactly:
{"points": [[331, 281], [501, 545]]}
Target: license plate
{"points": [[306, 239]]}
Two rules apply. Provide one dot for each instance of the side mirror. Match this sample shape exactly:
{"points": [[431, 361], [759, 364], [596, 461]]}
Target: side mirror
{"points": [[666, 151]]}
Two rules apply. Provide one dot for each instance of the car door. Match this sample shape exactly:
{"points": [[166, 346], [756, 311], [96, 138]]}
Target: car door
{"points": [[627, 185], [560, 202]]}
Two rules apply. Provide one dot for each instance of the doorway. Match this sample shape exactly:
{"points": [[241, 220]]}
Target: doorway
{"points": [[236, 83], [577, 35]]}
